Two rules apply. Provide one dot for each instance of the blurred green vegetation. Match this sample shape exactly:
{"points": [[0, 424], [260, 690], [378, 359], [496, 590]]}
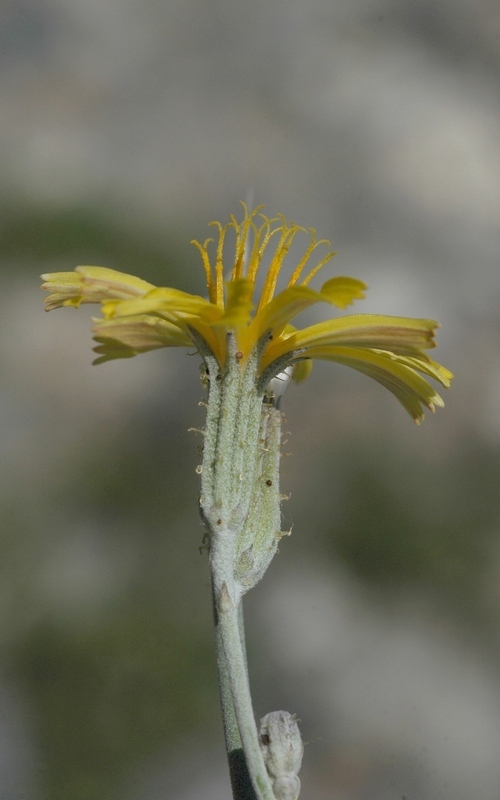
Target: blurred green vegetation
{"points": [[104, 698], [398, 519], [123, 681], [139, 675], [127, 682], [83, 235]]}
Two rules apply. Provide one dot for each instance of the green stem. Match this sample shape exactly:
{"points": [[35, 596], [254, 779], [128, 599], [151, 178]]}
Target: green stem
{"points": [[234, 672], [241, 782], [239, 504]]}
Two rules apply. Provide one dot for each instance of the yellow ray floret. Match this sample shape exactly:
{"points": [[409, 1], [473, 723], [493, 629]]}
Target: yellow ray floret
{"points": [[91, 285], [138, 316]]}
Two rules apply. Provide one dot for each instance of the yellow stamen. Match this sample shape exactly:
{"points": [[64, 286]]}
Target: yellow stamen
{"points": [[247, 259], [287, 236], [206, 266], [242, 240], [258, 250], [219, 265], [321, 264], [312, 246], [298, 270]]}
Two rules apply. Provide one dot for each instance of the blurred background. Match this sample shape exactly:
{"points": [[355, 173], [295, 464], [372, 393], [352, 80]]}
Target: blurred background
{"points": [[126, 127]]}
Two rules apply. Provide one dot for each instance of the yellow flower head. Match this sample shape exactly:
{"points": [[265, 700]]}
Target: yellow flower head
{"points": [[138, 316]]}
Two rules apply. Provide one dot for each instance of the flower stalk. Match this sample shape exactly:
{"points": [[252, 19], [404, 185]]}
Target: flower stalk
{"points": [[250, 351], [241, 783], [240, 506]]}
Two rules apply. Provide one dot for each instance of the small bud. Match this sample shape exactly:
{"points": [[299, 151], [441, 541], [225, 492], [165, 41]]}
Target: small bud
{"points": [[282, 750]]}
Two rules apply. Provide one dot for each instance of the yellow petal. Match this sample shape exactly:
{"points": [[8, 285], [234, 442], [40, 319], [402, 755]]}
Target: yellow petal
{"points": [[238, 305], [213, 336], [302, 370], [141, 331], [295, 299], [115, 283], [64, 287], [125, 338], [412, 391], [91, 285], [427, 366], [164, 301], [401, 335], [342, 291], [284, 307]]}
